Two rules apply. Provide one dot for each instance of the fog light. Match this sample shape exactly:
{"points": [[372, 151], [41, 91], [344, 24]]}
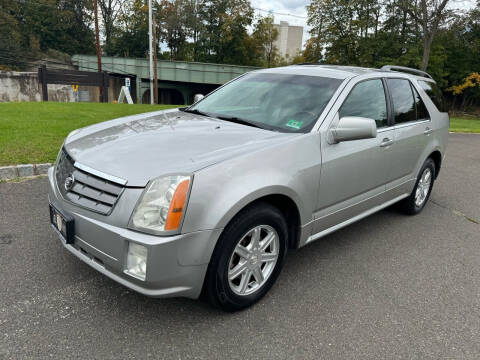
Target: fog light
{"points": [[136, 261]]}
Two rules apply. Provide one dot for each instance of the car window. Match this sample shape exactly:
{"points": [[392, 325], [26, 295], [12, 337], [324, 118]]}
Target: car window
{"points": [[367, 99], [422, 112], [434, 94], [403, 103]]}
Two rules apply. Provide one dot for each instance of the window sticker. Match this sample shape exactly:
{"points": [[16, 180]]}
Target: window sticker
{"points": [[294, 124]]}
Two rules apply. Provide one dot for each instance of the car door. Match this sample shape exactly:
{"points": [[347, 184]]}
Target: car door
{"points": [[412, 133], [354, 173]]}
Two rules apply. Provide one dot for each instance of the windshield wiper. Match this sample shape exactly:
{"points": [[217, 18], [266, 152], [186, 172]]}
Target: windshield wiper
{"points": [[234, 119], [195, 111], [238, 120]]}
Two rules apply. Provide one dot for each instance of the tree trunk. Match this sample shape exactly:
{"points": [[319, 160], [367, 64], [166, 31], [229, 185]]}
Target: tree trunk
{"points": [[427, 44]]}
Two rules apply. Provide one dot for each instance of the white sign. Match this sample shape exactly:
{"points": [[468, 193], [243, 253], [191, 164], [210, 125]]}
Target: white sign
{"points": [[127, 82]]}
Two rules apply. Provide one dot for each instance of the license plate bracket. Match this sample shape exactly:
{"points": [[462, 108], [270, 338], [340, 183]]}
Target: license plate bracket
{"points": [[63, 223]]}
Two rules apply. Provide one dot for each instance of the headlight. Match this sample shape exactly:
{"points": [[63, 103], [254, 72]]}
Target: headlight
{"points": [[162, 205]]}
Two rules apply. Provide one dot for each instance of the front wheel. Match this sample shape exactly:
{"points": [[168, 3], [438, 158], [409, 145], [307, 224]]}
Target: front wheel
{"points": [[248, 258], [415, 203]]}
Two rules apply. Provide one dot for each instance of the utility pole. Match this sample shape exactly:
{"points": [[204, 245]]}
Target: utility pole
{"points": [[150, 37], [155, 73], [97, 38]]}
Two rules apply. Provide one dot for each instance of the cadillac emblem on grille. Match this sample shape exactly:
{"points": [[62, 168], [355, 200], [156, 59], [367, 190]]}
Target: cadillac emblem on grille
{"points": [[69, 182]]}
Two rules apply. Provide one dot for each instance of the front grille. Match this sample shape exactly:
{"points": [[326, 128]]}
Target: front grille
{"points": [[85, 189]]}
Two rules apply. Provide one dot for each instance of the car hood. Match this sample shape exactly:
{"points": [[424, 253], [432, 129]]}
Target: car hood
{"points": [[141, 147]]}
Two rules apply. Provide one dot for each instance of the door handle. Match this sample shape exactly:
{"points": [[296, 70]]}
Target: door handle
{"points": [[386, 142], [428, 131]]}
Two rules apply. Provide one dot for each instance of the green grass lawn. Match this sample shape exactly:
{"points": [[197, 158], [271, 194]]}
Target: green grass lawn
{"points": [[471, 125], [32, 132]]}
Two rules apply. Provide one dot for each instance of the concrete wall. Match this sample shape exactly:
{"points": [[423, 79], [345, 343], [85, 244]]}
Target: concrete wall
{"points": [[24, 86]]}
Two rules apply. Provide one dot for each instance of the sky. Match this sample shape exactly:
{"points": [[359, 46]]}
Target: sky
{"points": [[295, 11]]}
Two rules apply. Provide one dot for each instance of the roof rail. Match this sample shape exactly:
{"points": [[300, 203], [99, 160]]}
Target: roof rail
{"points": [[405, 69]]}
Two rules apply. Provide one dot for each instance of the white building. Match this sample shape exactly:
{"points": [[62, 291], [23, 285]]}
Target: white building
{"points": [[289, 40]]}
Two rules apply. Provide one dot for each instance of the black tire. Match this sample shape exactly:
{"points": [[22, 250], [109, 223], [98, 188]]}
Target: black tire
{"points": [[408, 205], [216, 287]]}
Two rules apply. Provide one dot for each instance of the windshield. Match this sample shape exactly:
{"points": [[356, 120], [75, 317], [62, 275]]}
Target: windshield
{"points": [[282, 102]]}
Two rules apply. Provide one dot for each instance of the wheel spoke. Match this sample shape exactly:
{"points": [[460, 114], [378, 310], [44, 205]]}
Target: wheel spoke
{"points": [[418, 191], [265, 243], [244, 281], [237, 270], [242, 251], [258, 275], [427, 176], [268, 257], [425, 191], [256, 237]]}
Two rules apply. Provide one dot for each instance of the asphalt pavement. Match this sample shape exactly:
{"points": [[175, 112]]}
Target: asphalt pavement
{"points": [[390, 286]]}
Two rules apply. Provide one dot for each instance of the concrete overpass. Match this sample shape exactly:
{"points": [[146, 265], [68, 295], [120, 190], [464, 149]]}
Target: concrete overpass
{"points": [[178, 81]]}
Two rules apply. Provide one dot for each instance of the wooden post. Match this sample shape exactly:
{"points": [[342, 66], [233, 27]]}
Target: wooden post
{"points": [[105, 87], [42, 77]]}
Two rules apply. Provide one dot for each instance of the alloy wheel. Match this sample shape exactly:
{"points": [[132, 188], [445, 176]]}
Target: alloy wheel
{"points": [[423, 187], [253, 260]]}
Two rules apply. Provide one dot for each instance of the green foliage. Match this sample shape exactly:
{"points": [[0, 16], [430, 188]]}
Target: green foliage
{"points": [[29, 27], [60, 25], [372, 33], [172, 21], [11, 49], [264, 36], [197, 30], [130, 38]]}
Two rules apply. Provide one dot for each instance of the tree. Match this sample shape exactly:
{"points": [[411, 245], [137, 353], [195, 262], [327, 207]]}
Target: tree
{"points": [[430, 14], [313, 50], [224, 38], [60, 25], [110, 10], [336, 25], [194, 24], [11, 50], [265, 34], [469, 89], [172, 20], [130, 37]]}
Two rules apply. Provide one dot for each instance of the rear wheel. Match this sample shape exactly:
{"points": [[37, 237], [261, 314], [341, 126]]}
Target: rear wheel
{"points": [[415, 203], [247, 259]]}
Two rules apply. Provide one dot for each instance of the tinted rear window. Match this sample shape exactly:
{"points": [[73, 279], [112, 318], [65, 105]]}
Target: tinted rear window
{"points": [[434, 94], [422, 112], [403, 102]]}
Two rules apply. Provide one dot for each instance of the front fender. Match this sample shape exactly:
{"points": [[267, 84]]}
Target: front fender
{"points": [[219, 192]]}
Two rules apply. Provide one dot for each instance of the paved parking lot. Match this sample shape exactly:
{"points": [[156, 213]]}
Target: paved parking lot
{"points": [[389, 286]]}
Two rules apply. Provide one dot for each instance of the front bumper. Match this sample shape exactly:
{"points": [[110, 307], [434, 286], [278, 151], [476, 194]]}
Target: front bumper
{"points": [[176, 265]]}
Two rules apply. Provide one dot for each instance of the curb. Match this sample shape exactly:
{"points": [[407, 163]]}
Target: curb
{"points": [[16, 171]]}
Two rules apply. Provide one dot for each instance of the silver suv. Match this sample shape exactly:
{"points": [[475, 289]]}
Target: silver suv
{"points": [[207, 200]]}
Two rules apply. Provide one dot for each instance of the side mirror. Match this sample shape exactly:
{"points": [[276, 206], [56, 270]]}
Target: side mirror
{"points": [[197, 98], [354, 128]]}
